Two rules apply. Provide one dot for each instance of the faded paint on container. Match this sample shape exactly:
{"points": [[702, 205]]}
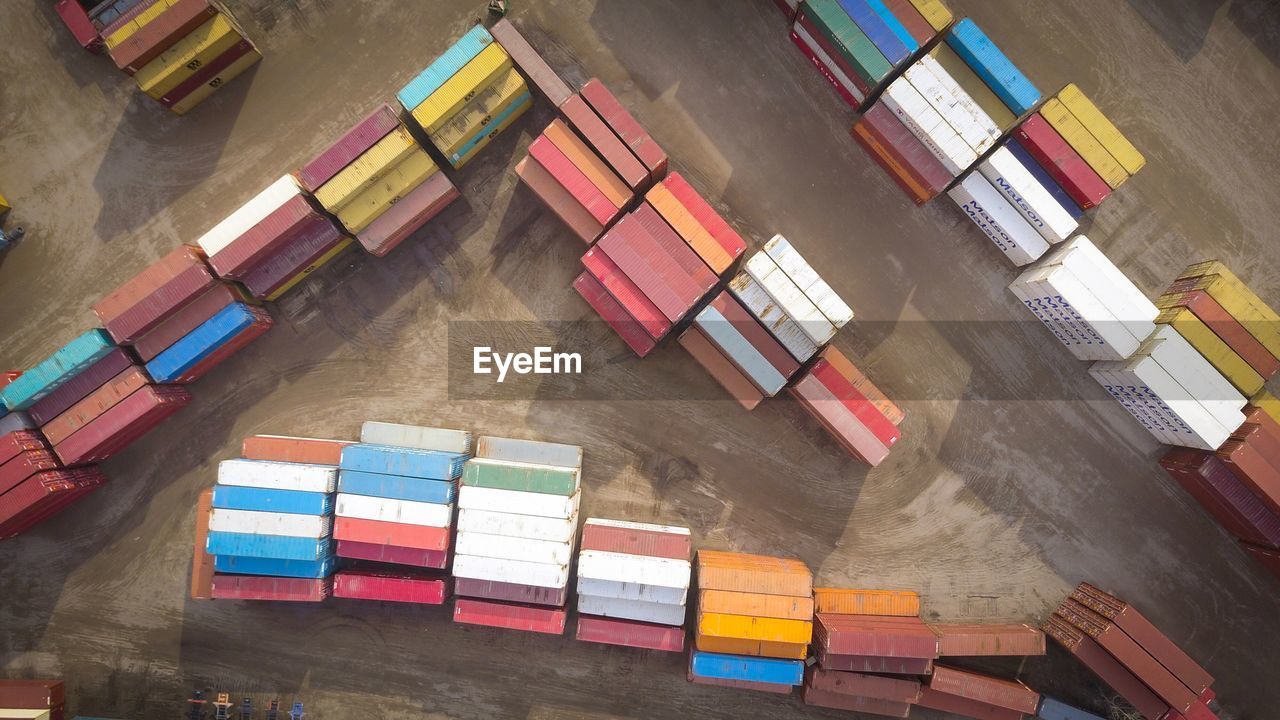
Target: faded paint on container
{"points": [[847, 601], [806, 37], [636, 539], [638, 610], [510, 592], [187, 56], [231, 497], [878, 636], [626, 127], [637, 306], [409, 462], [614, 314], [456, 136], [528, 451], [525, 477], [287, 449], [839, 421], [248, 587], [733, 380], [588, 163], [920, 175], [278, 475], [573, 179], [347, 148], [362, 172], [513, 525], [1106, 667], [862, 685], [611, 631], [1102, 128], [397, 182], [559, 200], [519, 572], [598, 136], [886, 708], [79, 387], [412, 212], [510, 616], [966, 639], [211, 76], [443, 440], [390, 587], [95, 404], [873, 664], [531, 63], [128, 420], [132, 47], [480, 72], [1009, 694], [434, 559]]}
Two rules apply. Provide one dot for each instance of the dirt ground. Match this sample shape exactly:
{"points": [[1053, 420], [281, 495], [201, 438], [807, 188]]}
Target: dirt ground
{"points": [[1016, 477]]}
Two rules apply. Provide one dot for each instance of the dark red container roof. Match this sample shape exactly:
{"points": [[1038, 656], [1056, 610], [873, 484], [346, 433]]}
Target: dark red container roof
{"points": [[42, 495], [277, 229], [510, 592], [160, 303], [151, 40], [18, 441], [121, 425], [394, 555], [626, 127], [24, 465], [862, 685], [1062, 162], [392, 587], [598, 136], [629, 633], [886, 131], [935, 700], [657, 274], [510, 616], [98, 402], [31, 694], [188, 318], [613, 313], [366, 133], [559, 200], [996, 691], [649, 543], [255, 587], [636, 304], [1107, 668], [317, 237], [871, 635]]}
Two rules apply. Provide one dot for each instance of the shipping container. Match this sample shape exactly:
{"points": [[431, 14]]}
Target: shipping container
{"points": [[740, 572], [626, 127], [279, 228], [408, 512], [561, 202], [598, 136], [632, 299], [531, 63], [999, 219], [42, 496], [658, 275], [935, 700], [844, 601], [249, 587], [478, 72], [202, 93], [510, 616], [675, 214], [1214, 349], [277, 475], [392, 587], [873, 664], [1115, 675], [870, 635], [1063, 164], [314, 246], [502, 119], [729, 240], [1051, 709], [869, 706], [55, 371], [752, 648], [32, 693], [755, 604], [1215, 278], [995, 69], [862, 685], [520, 503], [751, 669], [1042, 176], [517, 572], [525, 526], [1101, 128], [675, 247], [524, 477], [943, 95], [122, 424], [822, 53], [510, 592], [212, 74], [839, 421], [1037, 206], [268, 546], [1221, 493], [856, 402], [636, 539], [362, 172], [280, 448], [160, 303], [721, 368], [528, 451], [588, 164], [1002, 693], [638, 610], [272, 567], [19, 441], [98, 402], [133, 45], [1232, 332], [231, 497], [877, 30], [408, 215], [182, 361], [737, 348], [652, 572], [849, 41], [743, 627], [79, 387], [614, 314], [351, 145], [156, 275], [24, 465], [962, 639], [409, 462], [790, 298], [252, 522], [774, 688], [921, 175], [396, 487], [611, 631], [395, 534], [629, 590], [444, 67], [1083, 142], [187, 318], [929, 127], [435, 559], [179, 62]]}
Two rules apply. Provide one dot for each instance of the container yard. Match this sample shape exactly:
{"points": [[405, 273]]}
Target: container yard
{"points": [[925, 359]]}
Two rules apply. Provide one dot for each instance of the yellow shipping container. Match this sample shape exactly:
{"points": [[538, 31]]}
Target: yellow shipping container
{"points": [[754, 648], [1083, 142], [688, 228], [365, 170], [493, 132], [181, 61], [469, 122], [387, 191], [202, 93], [1103, 129], [319, 263], [747, 627], [4, 206], [844, 601], [1218, 353], [1269, 404], [460, 89], [934, 12], [124, 32], [1237, 299], [969, 81]]}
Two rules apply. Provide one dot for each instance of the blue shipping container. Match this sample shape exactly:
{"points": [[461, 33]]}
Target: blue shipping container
{"points": [[267, 546], [409, 462], [1051, 709], [200, 343], [356, 482], [995, 69], [273, 567], [751, 669], [877, 31], [54, 372], [899, 30], [236, 497], [1044, 178], [471, 144], [444, 67]]}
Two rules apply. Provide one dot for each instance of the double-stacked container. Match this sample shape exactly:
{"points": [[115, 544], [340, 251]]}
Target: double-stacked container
{"points": [[976, 695], [468, 95], [738, 351], [517, 522], [527, 59], [179, 51], [754, 622], [857, 415], [38, 699], [633, 583]]}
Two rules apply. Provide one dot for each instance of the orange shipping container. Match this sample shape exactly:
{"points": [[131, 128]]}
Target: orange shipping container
{"points": [[292, 449], [842, 601], [845, 367], [202, 561], [786, 607], [585, 159], [754, 648]]}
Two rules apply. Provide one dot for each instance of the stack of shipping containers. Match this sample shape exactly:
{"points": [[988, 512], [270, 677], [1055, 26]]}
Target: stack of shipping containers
{"points": [[574, 182], [976, 695], [861, 418], [633, 583], [517, 522], [754, 622], [738, 351], [379, 183]]}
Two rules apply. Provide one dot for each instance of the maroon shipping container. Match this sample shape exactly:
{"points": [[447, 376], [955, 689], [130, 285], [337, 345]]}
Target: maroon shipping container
{"points": [[826, 72], [598, 136], [98, 402], [1261, 431], [366, 133], [1009, 694], [436, 559], [43, 494], [207, 73], [935, 700], [308, 244], [79, 387], [657, 275], [31, 694], [917, 27], [255, 587], [371, 585], [1205, 477], [869, 706], [1138, 627], [579, 220], [873, 664], [1122, 647], [721, 368], [121, 425], [261, 325], [625, 126], [1226, 327], [862, 685], [510, 592], [1270, 559], [707, 217], [146, 282], [528, 618], [159, 304], [190, 317], [629, 633], [151, 40], [1063, 163], [970, 640], [839, 422], [670, 241], [856, 402], [571, 178], [20, 441], [905, 148], [650, 543], [631, 332], [530, 62], [1107, 668], [760, 338], [23, 466], [637, 305], [276, 230], [1248, 464], [408, 215], [872, 635], [836, 55]]}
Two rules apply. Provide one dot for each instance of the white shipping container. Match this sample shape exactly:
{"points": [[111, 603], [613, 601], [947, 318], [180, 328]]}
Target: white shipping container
{"points": [[529, 451], [409, 512], [1082, 306], [650, 612], [1197, 427], [957, 116], [629, 525], [1126, 301], [621, 567], [1136, 405], [248, 215], [518, 502], [510, 571], [1044, 213], [632, 591], [412, 436], [252, 522], [787, 331], [808, 280], [964, 99], [1193, 372], [513, 548], [790, 298], [999, 220], [1036, 306], [518, 526], [928, 126], [740, 351], [278, 475], [836, 71]]}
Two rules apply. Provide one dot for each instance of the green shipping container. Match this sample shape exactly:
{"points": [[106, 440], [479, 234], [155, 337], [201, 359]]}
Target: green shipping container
{"points": [[525, 477], [854, 45]]}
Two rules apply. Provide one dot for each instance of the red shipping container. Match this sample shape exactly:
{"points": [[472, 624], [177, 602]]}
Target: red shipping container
{"points": [[43, 495], [20, 441], [849, 98], [144, 283], [255, 587], [1009, 694], [1270, 559], [873, 663], [871, 635], [79, 387], [1235, 507], [625, 126], [869, 706], [1100, 663], [862, 685], [73, 15], [121, 425], [317, 237], [721, 368], [366, 133], [510, 592], [276, 230], [707, 217], [760, 338], [842, 424], [649, 543], [379, 532], [837, 57], [1269, 437], [31, 694], [902, 154], [554, 196], [164, 301], [151, 40], [630, 330], [572, 179], [261, 325], [629, 633], [311, 451], [906, 179], [857, 403], [1256, 437], [408, 215], [599, 137], [99, 401], [530, 62], [435, 559], [207, 73], [626, 293], [23, 466], [45, 509], [934, 700], [191, 316], [1226, 327], [202, 561], [657, 274], [1063, 163], [675, 247], [969, 640], [864, 385], [1254, 471], [509, 616], [392, 587]]}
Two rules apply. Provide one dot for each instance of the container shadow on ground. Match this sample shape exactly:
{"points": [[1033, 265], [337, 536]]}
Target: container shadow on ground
{"points": [[1184, 24], [84, 67]]}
